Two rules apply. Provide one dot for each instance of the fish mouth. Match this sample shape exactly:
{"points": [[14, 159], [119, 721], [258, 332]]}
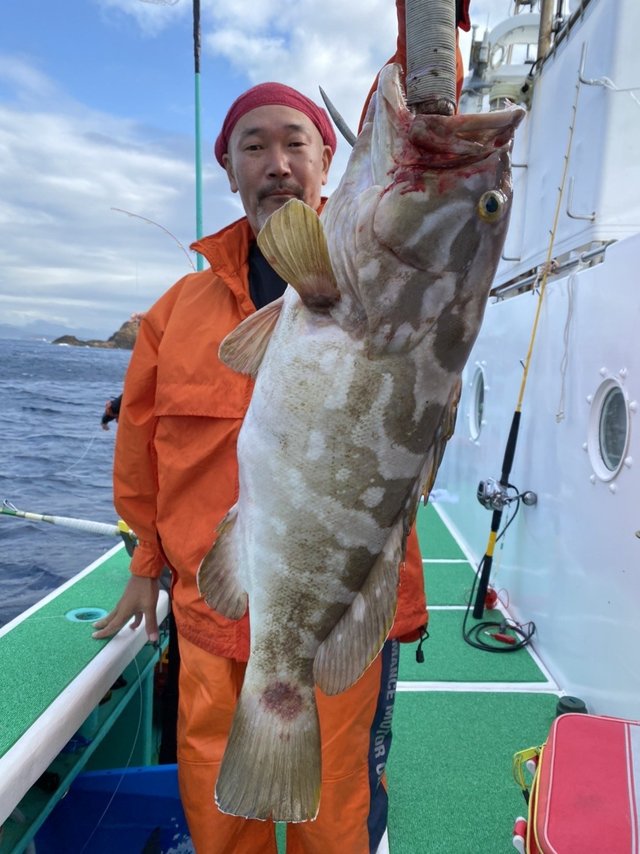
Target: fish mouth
{"points": [[430, 141], [463, 139]]}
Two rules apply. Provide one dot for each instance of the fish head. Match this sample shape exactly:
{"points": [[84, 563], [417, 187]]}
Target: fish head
{"points": [[430, 198], [442, 176]]}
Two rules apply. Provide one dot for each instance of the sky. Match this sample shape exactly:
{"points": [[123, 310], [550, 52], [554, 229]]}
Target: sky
{"points": [[97, 118]]}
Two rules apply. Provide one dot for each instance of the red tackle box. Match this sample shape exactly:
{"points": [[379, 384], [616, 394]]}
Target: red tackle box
{"points": [[585, 795]]}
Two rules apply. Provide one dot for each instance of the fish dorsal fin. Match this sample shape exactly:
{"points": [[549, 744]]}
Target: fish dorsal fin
{"points": [[359, 634], [217, 574], [244, 348], [294, 243]]}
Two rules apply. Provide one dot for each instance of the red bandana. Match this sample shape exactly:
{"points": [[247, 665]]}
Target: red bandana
{"points": [[267, 94]]}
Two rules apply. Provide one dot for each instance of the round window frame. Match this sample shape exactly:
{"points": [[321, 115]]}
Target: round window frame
{"points": [[475, 418], [594, 446]]}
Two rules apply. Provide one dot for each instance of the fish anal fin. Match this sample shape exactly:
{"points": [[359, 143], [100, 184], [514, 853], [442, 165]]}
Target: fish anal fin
{"points": [[217, 574], [294, 243], [271, 767], [244, 348], [360, 633]]}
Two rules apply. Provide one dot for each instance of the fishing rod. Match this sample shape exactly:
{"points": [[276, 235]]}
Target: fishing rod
{"points": [[197, 110], [499, 497], [121, 529]]}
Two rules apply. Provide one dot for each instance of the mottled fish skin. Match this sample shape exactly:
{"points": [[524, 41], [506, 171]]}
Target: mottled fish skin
{"points": [[351, 410]]}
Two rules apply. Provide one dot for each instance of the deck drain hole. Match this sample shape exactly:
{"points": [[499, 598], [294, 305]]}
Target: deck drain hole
{"points": [[85, 615]]}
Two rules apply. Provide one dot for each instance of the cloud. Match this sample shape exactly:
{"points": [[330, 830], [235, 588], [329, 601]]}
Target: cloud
{"points": [[25, 79], [65, 253], [152, 16], [339, 46]]}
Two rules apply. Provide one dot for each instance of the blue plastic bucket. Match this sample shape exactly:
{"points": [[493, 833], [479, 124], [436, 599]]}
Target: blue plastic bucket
{"points": [[125, 811]]}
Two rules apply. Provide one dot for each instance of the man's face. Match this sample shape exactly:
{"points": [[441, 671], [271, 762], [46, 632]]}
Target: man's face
{"points": [[275, 154]]}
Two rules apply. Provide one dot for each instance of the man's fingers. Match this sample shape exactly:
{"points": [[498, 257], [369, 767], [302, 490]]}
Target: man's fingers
{"points": [[112, 628], [151, 624], [104, 621], [111, 625], [138, 600], [105, 631]]}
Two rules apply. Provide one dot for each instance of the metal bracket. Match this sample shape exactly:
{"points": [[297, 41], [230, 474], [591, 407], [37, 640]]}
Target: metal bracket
{"points": [[586, 81], [589, 217]]}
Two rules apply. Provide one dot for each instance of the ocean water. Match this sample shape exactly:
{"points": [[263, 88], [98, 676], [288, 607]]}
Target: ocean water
{"points": [[55, 458]]}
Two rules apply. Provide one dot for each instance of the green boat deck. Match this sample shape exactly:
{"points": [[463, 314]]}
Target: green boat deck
{"points": [[51, 649], [44, 728], [459, 718]]}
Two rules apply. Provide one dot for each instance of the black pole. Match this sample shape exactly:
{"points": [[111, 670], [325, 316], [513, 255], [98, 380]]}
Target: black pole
{"points": [[198, 151], [196, 36], [496, 518]]}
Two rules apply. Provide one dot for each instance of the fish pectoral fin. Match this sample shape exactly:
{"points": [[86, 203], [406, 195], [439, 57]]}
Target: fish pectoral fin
{"points": [[436, 452], [217, 574], [294, 243], [244, 348], [360, 633]]}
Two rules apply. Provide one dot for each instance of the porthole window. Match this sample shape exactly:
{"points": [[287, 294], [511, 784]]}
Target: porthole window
{"points": [[608, 430], [476, 409], [613, 428]]}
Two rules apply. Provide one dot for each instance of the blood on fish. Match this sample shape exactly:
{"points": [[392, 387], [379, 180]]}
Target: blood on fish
{"points": [[283, 699]]}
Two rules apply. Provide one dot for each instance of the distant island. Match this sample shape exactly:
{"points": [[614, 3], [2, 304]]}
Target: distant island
{"points": [[123, 339]]}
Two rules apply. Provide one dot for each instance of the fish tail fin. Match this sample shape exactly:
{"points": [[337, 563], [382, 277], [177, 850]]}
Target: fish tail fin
{"points": [[271, 768]]}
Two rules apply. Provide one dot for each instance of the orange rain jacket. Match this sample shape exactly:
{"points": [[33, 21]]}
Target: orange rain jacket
{"points": [[176, 473]]}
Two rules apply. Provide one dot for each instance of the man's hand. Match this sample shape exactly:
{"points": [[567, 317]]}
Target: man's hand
{"points": [[139, 600]]}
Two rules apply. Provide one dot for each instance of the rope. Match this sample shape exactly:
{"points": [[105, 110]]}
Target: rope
{"points": [[80, 458], [512, 440], [122, 776], [564, 364]]}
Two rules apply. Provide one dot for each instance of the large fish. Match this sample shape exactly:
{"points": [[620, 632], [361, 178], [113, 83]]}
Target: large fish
{"points": [[358, 376]]}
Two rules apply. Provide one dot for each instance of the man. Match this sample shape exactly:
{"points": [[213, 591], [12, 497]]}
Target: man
{"points": [[175, 477]]}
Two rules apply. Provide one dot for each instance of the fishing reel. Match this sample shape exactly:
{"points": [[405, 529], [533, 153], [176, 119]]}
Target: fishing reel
{"points": [[496, 496]]}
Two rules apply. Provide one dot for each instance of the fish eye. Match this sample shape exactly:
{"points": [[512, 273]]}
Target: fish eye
{"points": [[491, 205]]}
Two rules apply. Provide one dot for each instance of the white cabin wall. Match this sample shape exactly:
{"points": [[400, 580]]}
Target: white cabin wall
{"points": [[619, 212], [604, 165], [571, 562]]}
